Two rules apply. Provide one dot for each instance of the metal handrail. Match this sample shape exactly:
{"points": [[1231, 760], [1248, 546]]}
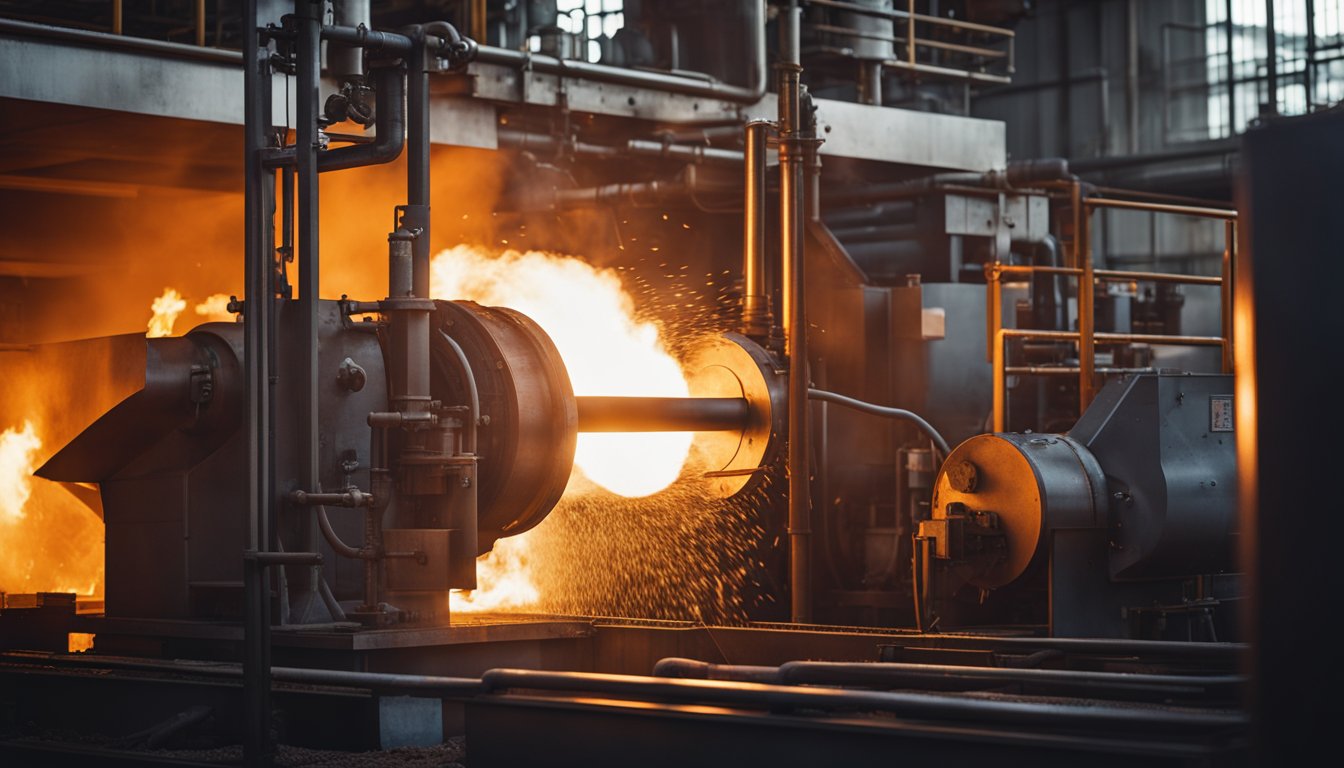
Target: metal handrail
{"points": [[911, 42], [1082, 271]]}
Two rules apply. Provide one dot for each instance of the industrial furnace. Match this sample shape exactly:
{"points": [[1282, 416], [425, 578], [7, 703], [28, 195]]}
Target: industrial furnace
{"points": [[943, 477]]}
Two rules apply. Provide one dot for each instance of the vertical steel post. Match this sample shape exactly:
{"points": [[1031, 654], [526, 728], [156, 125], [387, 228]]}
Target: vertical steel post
{"points": [[258, 212], [416, 217], [308, 51], [1309, 70], [792, 261], [478, 19], [1271, 62]]}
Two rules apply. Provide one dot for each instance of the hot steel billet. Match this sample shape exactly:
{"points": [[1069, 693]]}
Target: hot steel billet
{"points": [[662, 414]]}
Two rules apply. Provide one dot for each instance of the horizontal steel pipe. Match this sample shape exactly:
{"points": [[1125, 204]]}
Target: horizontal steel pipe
{"points": [[941, 677], [369, 39], [284, 558], [922, 705], [662, 414]]}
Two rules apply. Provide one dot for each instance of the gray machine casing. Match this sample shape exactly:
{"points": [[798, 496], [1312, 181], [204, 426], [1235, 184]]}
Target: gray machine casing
{"points": [[1171, 487]]}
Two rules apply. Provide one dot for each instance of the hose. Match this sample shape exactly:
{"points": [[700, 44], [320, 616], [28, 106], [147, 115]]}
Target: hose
{"points": [[885, 412], [474, 418]]}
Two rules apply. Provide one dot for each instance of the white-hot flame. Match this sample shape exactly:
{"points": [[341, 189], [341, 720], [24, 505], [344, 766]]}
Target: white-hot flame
{"points": [[606, 350], [503, 580], [591, 319]]}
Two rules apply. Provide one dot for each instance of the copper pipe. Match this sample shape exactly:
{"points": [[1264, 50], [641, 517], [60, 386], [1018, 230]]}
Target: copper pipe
{"points": [[1076, 204], [790, 220], [116, 17], [478, 20], [1109, 274], [1028, 333], [993, 304], [1229, 254], [1000, 382], [792, 263], [1184, 210], [1029, 269], [1155, 277], [755, 299], [1068, 370], [200, 23], [1087, 361], [910, 32], [1159, 339], [1116, 338]]}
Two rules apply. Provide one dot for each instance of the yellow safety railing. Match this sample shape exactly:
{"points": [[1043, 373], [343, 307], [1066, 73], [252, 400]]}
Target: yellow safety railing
{"points": [[1081, 270]]}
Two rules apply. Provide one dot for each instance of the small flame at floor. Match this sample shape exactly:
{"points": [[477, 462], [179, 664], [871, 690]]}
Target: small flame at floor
{"points": [[503, 580]]}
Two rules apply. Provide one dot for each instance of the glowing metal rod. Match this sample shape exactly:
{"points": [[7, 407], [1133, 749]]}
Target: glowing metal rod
{"points": [[662, 414]]}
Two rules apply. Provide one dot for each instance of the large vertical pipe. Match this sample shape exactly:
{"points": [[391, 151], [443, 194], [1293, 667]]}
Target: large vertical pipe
{"points": [[795, 340], [1271, 61], [258, 208], [1309, 69], [1225, 289], [755, 301], [307, 98], [416, 218], [478, 16], [1132, 74], [870, 82]]}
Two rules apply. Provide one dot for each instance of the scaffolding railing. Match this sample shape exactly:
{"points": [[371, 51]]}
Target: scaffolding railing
{"points": [[1086, 337]]}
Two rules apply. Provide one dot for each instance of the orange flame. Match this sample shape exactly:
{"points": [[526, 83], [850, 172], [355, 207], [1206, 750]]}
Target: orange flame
{"points": [[16, 468], [503, 580], [607, 351], [46, 543], [215, 308], [166, 308]]}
